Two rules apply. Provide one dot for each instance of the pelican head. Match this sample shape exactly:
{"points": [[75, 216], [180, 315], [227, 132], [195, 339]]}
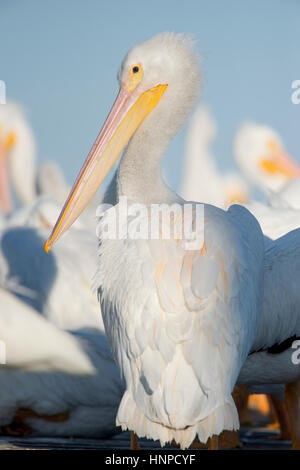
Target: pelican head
{"points": [[169, 60], [7, 142], [17, 155], [260, 154], [158, 77]]}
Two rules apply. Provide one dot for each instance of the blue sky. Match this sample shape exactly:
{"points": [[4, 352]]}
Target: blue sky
{"points": [[59, 59]]}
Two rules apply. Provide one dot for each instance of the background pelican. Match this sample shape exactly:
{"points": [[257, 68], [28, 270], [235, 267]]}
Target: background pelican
{"points": [[192, 314], [21, 153], [279, 327], [54, 382], [261, 156], [202, 180]]}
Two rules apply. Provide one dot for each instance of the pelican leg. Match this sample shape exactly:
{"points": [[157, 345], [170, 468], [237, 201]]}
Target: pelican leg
{"points": [[229, 440], [134, 444], [213, 443], [281, 419], [241, 396], [292, 400]]}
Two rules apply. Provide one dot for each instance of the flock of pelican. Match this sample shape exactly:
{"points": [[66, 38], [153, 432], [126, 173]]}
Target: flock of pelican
{"points": [[180, 328]]}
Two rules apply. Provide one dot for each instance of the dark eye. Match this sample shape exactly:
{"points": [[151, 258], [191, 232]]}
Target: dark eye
{"points": [[135, 69]]}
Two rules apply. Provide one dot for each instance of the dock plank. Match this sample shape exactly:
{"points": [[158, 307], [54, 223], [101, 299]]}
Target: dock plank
{"points": [[252, 439]]}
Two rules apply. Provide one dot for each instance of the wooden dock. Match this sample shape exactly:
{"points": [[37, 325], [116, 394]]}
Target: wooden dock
{"points": [[252, 439]]}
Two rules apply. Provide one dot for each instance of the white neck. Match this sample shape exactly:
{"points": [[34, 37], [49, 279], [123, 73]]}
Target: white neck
{"points": [[140, 171]]}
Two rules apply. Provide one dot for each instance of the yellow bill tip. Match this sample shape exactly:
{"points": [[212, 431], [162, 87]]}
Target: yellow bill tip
{"points": [[47, 246]]}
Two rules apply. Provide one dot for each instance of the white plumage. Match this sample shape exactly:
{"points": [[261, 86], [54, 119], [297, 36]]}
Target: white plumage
{"points": [[198, 344]]}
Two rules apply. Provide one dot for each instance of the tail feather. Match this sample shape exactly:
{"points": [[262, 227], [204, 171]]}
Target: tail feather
{"points": [[224, 417]]}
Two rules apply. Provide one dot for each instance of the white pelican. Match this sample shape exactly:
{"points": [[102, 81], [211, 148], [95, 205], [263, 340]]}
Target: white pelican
{"points": [[20, 174], [260, 154], [43, 359], [61, 294], [54, 382], [271, 361], [180, 322], [277, 217], [18, 149], [202, 181], [18, 163]]}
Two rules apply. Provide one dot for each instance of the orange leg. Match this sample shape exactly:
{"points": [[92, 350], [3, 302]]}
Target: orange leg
{"points": [[274, 423], [229, 440], [292, 400], [134, 444], [240, 396], [213, 443], [281, 418]]}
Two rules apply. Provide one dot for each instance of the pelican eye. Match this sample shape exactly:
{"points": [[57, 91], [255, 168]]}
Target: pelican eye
{"points": [[135, 75]]}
